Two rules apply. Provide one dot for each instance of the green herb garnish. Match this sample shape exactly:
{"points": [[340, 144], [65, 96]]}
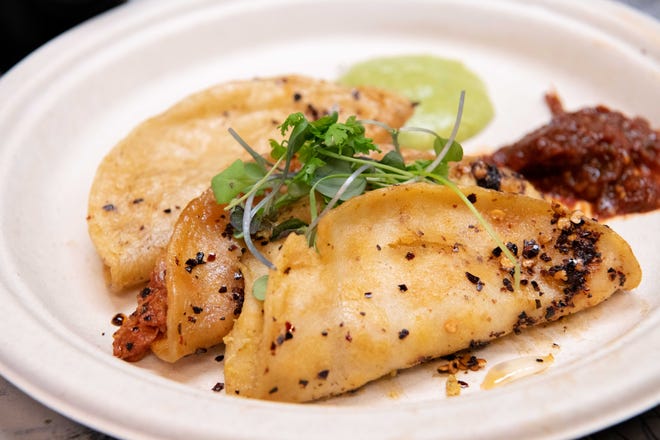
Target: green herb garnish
{"points": [[259, 287], [334, 166]]}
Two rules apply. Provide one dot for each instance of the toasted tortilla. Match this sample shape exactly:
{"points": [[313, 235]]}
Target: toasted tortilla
{"points": [[201, 275], [404, 274], [143, 183]]}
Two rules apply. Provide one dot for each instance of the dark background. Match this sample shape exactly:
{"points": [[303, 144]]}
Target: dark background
{"points": [[27, 24]]}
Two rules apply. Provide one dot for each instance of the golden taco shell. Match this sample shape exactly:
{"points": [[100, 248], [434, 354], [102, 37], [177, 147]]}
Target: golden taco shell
{"points": [[143, 183]]}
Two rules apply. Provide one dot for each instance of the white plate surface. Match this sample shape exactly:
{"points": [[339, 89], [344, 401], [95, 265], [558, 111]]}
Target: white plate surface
{"points": [[63, 108]]}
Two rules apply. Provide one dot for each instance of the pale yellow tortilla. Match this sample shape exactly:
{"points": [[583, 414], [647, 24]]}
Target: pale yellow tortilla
{"points": [[143, 183]]}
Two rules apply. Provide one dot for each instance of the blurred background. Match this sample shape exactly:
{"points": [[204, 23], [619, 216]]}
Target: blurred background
{"points": [[27, 24]]}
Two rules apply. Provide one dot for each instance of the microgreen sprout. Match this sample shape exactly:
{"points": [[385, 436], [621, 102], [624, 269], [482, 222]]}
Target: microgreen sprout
{"points": [[441, 155], [338, 196], [332, 164]]}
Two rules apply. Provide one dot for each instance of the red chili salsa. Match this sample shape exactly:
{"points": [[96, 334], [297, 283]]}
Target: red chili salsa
{"points": [[593, 154]]}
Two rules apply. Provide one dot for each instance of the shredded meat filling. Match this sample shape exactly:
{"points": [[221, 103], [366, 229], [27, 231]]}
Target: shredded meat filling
{"points": [[132, 341]]}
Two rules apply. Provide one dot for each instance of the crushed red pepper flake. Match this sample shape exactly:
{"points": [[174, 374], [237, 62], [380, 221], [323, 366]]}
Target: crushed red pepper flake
{"points": [[191, 263], [312, 111], [118, 319], [530, 248], [611, 272], [513, 248], [479, 285]]}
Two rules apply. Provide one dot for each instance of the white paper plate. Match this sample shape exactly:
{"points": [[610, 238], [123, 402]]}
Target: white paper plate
{"points": [[64, 107]]}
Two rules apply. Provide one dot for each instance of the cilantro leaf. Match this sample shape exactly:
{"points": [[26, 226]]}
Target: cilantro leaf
{"points": [[293, 120], [277, 150]]}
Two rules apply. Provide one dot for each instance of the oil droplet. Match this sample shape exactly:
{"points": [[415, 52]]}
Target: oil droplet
{"points": [[514, 369]]}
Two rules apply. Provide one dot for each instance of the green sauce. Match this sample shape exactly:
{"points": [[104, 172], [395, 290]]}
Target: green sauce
{"points": [[435, 84]]}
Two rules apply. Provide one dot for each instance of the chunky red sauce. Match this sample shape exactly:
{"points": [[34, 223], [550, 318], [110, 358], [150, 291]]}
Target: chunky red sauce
{"points": [[593, 154], [132, 341]]}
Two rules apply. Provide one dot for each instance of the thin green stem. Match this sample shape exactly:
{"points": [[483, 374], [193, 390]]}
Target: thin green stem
{"points": [[375, 164], [256, 156], [440, 157], [486, 225], [259, 185]]}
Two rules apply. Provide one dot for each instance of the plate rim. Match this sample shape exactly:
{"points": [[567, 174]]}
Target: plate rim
{"points": [[131, 15]]}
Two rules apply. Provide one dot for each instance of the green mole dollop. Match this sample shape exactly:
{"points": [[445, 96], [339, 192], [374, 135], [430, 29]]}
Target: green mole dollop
{"points": [[434, 84]]}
